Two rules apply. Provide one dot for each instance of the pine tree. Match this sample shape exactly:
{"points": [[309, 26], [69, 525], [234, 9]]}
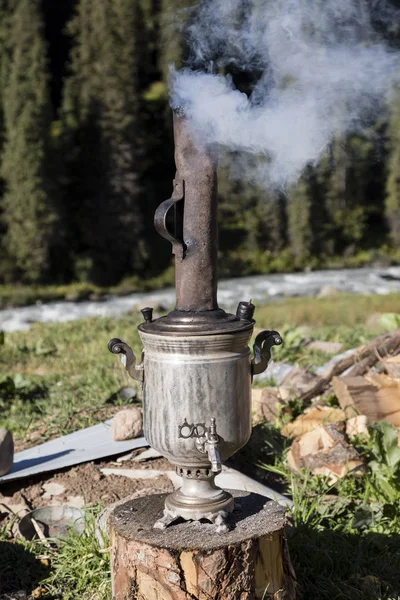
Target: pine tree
{"points": [[5, 263], [392, 209], [28, 208], [306, 217], [100, 114], [353, 184]]}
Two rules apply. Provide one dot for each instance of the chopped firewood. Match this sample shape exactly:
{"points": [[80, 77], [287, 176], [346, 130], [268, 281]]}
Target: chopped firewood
{"points": [[312, 418], [375, 396], [391, 366], [357, 427], [324, 451], [266, 404], [362, 359]]}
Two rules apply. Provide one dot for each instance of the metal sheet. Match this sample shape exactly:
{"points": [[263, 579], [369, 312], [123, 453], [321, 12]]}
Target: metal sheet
{"points": [[81, 446]]}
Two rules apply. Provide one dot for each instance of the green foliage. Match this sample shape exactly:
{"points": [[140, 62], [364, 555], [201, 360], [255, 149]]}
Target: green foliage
{"points": [[95, 171], [393, 180], [302, 226], [74, 568], [100, 113], [385, 466], [29, 201], [341, 532], [78, 568], [389, 321]]}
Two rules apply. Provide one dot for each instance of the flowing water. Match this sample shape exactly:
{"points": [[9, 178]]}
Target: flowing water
{"points": [[259, 288]]}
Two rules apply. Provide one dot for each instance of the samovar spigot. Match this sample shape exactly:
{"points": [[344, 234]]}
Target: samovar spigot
{"points": [[212, 447], [207, 440]]}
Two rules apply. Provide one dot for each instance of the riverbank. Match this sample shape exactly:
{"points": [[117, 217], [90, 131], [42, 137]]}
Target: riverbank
{"points": [[260, 288]]}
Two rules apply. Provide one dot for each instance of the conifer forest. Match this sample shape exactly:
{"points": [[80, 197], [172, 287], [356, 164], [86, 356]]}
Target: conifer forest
{"points": [[86, 156]]}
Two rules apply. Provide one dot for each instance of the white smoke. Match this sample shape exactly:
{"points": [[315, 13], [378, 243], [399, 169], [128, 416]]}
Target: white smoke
{"points": [[322, 72]]}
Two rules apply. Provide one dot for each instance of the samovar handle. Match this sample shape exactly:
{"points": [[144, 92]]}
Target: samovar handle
{"points": [[128, 358], [262, 350]]}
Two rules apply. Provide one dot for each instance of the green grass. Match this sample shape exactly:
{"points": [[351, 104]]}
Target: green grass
{"points": [[60, 375], [345, 540], [12, 295], [332, 312], [75, 568]]}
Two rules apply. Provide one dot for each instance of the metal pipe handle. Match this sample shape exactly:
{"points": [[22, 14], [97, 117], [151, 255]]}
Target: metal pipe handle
{"points": [[128, 358], [262, 350]]}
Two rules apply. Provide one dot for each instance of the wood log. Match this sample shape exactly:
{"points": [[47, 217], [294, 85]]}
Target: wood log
{"points": [[391, 366], [312, 418], [190, 561], [375, 396], [266, 404], [324, 451], [361, 360]]}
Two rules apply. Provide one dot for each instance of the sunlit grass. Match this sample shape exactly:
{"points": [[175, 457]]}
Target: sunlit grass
{"points": [[345, 539]]}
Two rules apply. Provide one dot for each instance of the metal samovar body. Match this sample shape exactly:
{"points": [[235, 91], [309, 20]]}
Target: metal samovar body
{"points": [[196, 367]]}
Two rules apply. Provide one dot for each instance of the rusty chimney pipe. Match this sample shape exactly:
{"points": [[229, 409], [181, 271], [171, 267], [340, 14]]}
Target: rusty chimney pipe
{"points": [[195, 239]]}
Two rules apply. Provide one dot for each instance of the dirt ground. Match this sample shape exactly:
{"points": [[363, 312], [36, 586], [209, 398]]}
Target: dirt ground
{"points": [[82, 485]]}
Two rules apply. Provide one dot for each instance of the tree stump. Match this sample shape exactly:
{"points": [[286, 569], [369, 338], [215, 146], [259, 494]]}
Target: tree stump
{"points": [[190, 561]]}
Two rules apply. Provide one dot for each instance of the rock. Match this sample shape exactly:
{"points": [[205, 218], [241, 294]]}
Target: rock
{"points": [[325, 451], [126, 394], [6, 451], [127, 424], [76, 501], [331, 348], [328, 290], [52, 488], [265, 404], [373, 320], [297, 382]]}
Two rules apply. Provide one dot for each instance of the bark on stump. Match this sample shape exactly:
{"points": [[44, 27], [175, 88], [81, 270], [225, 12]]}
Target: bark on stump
{"points": [[190, 561]]}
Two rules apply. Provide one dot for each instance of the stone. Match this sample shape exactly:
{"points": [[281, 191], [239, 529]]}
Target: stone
{"points": [[127, 393], [328, 290], [52, 488], [127, 424], [331, 348], [6, 451], [297, 382]]}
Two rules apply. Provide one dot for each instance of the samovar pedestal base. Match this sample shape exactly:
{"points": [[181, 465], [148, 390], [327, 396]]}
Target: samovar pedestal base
{"points": [[198, 498]]}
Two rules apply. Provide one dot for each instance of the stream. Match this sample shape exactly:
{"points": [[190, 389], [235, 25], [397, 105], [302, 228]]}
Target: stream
{"points": [[259, 288]]}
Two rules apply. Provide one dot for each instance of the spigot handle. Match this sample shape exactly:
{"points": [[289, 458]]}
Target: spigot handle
{"points": [[207, 440], [212, 445], [128, 358], [262, 350], [214, 458]]}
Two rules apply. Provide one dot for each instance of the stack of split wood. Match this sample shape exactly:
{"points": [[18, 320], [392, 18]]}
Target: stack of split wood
{"points": [[366, 384]]}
